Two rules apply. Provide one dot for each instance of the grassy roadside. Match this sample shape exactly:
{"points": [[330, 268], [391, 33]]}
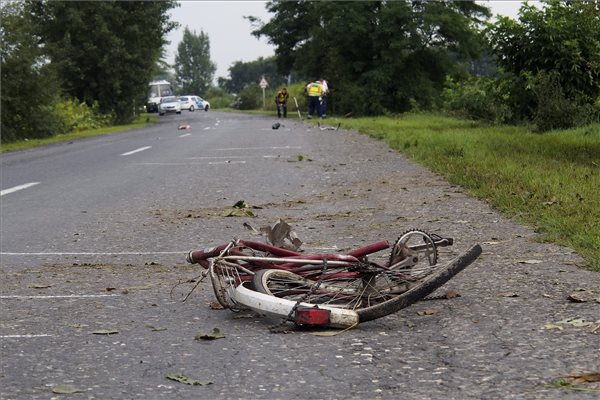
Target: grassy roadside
{"points": [[141, 121], [549, 181]]}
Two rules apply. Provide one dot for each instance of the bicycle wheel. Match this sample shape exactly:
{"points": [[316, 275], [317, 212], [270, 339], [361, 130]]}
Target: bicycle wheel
{"points": [[341, 292], [421, 289]]}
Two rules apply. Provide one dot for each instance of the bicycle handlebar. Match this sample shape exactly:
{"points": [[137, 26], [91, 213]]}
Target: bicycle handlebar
{"points": [[200, 256]]}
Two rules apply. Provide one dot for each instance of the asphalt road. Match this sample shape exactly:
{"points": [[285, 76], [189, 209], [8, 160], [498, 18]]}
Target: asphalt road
{"points": [[93, 241]]}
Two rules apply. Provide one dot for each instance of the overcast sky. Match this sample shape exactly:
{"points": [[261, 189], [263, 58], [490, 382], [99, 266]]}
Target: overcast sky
{"points": [[229, 33]]}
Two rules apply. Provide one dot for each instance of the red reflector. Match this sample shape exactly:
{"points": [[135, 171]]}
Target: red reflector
{"points": [[311, 316]]}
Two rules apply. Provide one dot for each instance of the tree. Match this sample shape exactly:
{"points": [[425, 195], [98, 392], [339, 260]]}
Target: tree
{"points": [[29, 84], [551, 62], [194, 70], [561, 38], [250, 73], [104, 51], [392, 53]]}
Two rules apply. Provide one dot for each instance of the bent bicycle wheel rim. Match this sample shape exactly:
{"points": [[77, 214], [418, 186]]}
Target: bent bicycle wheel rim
{"points": [[421, 290]]}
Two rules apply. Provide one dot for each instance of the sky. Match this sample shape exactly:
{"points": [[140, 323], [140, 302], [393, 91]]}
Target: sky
{"points": [[230, 34]]}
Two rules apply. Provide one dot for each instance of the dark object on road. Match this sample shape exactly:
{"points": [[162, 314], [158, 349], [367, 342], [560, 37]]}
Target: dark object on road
{"points": [[276, 125]]}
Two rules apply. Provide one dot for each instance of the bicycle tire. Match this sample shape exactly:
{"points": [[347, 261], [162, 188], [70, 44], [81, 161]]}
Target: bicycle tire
{"points": [[291, 286], [422, 289]]}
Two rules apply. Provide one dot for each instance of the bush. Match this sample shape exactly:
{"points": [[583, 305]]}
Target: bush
{"points": [[72, 116], [475, 98], [554, 110], [218, 97]]}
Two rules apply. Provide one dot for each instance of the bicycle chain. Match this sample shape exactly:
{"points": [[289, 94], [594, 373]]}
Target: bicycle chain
{"points": [[432, 237], [280, 327]]}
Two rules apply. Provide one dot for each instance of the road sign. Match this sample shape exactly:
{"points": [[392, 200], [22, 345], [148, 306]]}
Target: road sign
{"points": [[263, 83]]}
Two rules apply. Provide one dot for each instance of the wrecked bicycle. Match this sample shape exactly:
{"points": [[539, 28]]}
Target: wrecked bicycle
{"points": [[330, 289]]}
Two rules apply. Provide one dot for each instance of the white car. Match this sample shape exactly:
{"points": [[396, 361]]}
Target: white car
{"points": [[188, 103], [202, 103], [192, 103], [169, 104]]}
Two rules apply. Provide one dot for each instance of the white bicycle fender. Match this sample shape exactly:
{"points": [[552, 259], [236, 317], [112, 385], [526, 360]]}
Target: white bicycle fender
{"points": [[275, 306]]}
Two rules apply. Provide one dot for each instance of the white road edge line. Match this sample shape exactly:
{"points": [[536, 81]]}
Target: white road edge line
{"points": [[24, 336], [17, 188], [226, 162], [136, 151], [58, 296], [135, 253], [259, 148]]}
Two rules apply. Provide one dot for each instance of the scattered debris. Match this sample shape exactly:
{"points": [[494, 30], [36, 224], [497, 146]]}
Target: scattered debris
{"points": [[328, 127], [216, 334], [155, 329], [575, 322], [508, 294], [530, 261], [280, 235], [184, 127], [186, 380], [276, 125], [583, 296], [213, 305], [39, 286], [65, 389], [429, 311], [241, 209], [105, 332], [582, 378]]}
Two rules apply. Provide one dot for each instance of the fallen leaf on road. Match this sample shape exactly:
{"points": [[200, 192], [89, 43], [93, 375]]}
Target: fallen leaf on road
{"points": [[66, 389], [582, 378], [508, 294], [576, 322], [105, 332], [553, 326], [216, 334], [428, 311], [188, 381], [39, 286], [530, 261]]}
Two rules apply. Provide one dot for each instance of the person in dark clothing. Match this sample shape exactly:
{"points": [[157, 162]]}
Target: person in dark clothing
{"points": [[281, 99]]}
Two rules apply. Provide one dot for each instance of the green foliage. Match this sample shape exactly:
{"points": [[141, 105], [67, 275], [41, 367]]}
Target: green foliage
{"points": [[552, 61], [250, 73], [380, 56], [476, 98], [73, 116], [249, 98], [218, 98], [104, 51], [194, 70], [29, 84]]}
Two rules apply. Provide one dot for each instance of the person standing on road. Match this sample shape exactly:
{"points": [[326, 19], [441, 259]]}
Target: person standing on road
{"points": [[324, 98], [281, 99], [314, 91]]}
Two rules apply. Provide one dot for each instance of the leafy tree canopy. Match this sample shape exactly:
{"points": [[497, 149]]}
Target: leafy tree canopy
{"points": [[194, 71], [391, 52], [250, 73], [104, 51], [562, 38], [29, 84]]}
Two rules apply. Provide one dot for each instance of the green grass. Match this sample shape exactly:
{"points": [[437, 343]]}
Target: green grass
{"points": [[550, 181], [141, 121]]}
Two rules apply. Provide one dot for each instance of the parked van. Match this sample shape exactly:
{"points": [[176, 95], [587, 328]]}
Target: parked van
{"points": [[157, 90]]}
